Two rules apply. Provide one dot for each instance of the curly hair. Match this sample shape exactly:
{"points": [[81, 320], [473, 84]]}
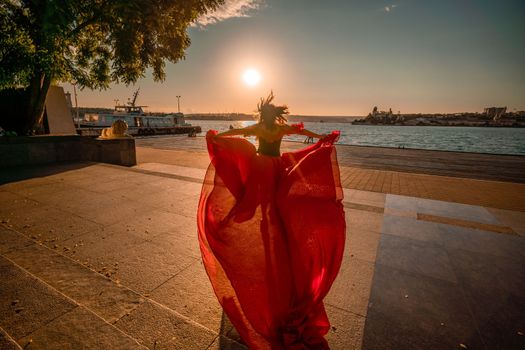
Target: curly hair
{"points": [[270, 114]]}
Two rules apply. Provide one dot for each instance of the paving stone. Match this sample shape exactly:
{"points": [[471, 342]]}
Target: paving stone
{"points": [[91, 180], [11, 240], [401, 202], [494, 288], [482, 273], [375, 199], [177, 186], [347, 329], [145, 266], [399, 212], [172, 202], [363, 220], [186, 206], [183, 238], [424, 258], [363, 207], [9, 200], [361, 244], [173, 169], [97, 247], [512, 219], [467, 224], [79, 329], [156, 224], [60, 228], [190, 294], [45, 193], [107, 211], [229, 331], [23, 217], [411, 311], [351, 289], [440, 208], [8, 343], [225, 343], [75, 177], [144, 226], [26, 303], [157, 327], [138, 193], [104, 187], [92, 203], [483, 241], [455, 210], [87, 287], [21, 181], [412, 228]]}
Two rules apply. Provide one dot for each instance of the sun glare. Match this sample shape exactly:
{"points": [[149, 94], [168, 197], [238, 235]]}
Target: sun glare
{"points": [[251, 77]]}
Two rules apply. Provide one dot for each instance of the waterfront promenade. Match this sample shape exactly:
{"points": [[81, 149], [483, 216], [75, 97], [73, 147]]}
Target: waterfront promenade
{"points": [[97, 256], [462, 176]]}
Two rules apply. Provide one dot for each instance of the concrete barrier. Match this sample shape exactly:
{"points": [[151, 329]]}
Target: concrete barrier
{"points": [[33, 150]]}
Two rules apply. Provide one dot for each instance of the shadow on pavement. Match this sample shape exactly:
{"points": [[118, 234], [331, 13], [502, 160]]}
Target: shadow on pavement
{"points": [[14, 174]]}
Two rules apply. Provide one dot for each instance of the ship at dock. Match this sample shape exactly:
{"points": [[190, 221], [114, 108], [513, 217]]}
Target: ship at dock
{"points": [[139, 122]]}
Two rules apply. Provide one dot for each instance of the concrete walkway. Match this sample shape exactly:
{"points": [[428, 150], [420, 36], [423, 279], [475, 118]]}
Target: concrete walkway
{"points": [[96, 256], [479, 179], [443, 163]]}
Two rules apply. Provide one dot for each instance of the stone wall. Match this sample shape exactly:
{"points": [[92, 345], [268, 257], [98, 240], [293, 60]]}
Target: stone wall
{"points": [[32, 150]]}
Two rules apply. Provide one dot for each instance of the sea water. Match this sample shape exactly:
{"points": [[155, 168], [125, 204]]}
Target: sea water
{"points": [[457, 138]]}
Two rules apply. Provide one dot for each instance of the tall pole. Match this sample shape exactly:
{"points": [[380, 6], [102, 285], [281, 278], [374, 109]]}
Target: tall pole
{"points": [[178, 103], [76, 104]]}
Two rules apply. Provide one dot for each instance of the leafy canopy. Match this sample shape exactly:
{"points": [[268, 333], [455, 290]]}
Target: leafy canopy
{"points": [[93, 42]]}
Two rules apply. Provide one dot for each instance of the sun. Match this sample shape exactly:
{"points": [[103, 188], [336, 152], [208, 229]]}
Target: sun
{"points": [[251, 77]]}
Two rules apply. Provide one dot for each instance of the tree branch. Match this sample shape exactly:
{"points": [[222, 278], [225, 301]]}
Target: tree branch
{"points": [[89, 21]]}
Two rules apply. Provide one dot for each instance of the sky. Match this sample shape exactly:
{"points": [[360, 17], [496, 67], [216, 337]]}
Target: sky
{"points": [[343, 57]]}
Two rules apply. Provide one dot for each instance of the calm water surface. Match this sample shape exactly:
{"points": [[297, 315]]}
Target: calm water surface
{"points": [[465, 139]]}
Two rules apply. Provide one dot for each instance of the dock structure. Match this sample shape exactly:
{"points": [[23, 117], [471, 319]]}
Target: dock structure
{"points": [[101, 256], [144, 131]]}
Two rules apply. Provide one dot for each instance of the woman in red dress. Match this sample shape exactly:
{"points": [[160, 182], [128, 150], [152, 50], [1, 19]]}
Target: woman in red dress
{"points": [[272, 231]]}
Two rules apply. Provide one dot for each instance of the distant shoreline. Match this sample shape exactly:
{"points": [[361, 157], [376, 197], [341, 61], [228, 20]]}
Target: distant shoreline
{"points": [[509, 120], [481, 123], [291, 118]]}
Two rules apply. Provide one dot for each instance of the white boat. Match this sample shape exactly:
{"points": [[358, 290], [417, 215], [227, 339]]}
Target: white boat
{"points": [[134, 116]]}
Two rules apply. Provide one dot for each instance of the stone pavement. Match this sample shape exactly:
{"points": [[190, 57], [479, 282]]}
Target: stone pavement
{"points": [[477, 179], [444, 163], [96, 256]]}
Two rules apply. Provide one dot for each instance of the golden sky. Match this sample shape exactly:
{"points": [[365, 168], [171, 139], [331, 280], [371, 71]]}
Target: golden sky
{"points": [[344, 57]]}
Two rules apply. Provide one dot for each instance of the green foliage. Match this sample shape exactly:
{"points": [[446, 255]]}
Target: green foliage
{"points": [[93, 42], [16, 52]]}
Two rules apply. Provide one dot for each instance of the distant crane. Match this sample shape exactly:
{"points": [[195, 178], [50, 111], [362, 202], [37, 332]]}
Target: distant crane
{"points": [[178, 103], [130, 106], [135, 95]]}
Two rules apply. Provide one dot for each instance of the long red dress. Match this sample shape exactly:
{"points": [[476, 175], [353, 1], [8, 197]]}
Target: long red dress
{"points": [[272, 233]]}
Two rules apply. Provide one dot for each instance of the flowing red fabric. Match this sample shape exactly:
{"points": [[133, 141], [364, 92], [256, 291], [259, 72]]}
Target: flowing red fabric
{"points": [[272, 234]]}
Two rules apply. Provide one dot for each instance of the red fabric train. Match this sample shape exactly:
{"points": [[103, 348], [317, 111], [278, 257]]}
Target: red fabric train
{"points": [[272, 233]]}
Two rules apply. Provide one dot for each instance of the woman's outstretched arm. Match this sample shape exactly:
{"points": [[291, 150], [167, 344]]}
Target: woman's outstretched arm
{"points": [[234, 132], [293, 129], [309, 133]]}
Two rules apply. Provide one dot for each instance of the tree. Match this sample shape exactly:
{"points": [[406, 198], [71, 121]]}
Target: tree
{"points": [[90, 42]]}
